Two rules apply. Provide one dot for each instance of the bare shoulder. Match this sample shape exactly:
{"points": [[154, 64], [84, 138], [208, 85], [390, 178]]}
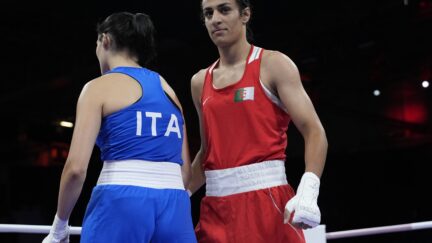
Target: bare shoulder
{"points": [[94, 86], [197, 83], [103, 82], [167, 88], [277, 68], [275, 60], [170, 91], [198, 78], [165, 85]]}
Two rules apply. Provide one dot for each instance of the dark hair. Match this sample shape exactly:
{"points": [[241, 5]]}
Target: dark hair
{"points": [[242, 4], [131, 32]]}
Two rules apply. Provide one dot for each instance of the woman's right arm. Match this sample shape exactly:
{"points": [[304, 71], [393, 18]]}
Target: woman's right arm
{"points": [[87, 125], [198, 177]]}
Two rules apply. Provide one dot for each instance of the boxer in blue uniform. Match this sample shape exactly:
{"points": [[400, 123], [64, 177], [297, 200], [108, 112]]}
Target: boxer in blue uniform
{"points": [[136, 120]]}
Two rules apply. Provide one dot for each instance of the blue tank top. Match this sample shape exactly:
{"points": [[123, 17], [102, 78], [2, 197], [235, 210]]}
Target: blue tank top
{"points": [[150, 129]]}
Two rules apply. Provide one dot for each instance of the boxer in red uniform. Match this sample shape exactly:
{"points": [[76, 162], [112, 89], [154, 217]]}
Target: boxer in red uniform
{"points": [[245, 102]]}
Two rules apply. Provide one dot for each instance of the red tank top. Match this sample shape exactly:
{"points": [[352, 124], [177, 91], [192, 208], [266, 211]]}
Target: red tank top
{"points": [[242, 124]]}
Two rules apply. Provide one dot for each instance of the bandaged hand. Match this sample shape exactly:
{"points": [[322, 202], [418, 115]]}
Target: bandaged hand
{"points": [[59, 232], [304, 204]]}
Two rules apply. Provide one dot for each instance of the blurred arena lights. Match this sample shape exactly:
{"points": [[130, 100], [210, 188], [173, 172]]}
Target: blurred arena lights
{"points": [[376, 92], [66, 124], [425, 84]]}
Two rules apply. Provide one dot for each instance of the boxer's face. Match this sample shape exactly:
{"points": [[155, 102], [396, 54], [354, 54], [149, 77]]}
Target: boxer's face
{"points": [[224, 21]]}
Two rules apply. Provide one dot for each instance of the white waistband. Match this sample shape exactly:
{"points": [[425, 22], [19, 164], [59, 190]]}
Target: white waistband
{"points": [[245, 178], [159, 175]]}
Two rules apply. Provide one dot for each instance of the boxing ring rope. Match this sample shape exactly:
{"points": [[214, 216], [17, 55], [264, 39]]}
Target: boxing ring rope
{"points": [[379, 230], [74, 230], [33, 229]]}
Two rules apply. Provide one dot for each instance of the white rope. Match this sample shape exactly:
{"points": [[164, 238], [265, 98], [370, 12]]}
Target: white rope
{"points": [[44, 229], [33, 229], [379, 230]]}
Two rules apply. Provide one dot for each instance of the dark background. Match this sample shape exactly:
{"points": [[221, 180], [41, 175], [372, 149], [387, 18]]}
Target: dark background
{"points": [[378, 165]]}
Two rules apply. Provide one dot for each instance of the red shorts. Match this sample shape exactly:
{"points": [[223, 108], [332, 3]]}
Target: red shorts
{"points": [[249, 217]]}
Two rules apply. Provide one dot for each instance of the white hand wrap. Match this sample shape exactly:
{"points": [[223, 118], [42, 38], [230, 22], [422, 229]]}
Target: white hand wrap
{"points": [[59, 232], [304, 204]]}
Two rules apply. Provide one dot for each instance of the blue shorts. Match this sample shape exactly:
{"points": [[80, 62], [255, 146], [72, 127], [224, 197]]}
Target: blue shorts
{"points": [[131, 214]]}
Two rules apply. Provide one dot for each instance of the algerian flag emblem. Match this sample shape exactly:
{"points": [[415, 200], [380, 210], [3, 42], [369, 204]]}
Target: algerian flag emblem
{"points": [[243, 94]]}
